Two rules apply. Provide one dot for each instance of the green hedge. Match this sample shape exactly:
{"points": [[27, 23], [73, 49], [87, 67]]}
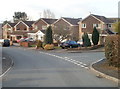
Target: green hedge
{"points": [[112, 50]]}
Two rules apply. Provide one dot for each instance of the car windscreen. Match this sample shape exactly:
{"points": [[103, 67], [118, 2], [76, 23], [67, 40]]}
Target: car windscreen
{"points": [[73, 42]]}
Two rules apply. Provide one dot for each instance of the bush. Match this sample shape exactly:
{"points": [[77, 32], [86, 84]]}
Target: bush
{"points": [[117, 27], [95, 36], [112, 50], [39, 44], [86, 40], [49, 47]]}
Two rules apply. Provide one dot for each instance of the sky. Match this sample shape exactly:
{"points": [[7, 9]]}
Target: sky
{"points": [[61, 8]]}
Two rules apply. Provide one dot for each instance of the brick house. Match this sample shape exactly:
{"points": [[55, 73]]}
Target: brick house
{"points": [[100, 22], [40, 26], [43, 23], [15, 31], [7, 29], [68, 24]]}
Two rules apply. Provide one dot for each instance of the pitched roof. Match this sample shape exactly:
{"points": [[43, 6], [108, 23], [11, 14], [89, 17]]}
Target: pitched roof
{"points": [[49, 20], [114, 19], [43, 31], [29, 23], [12, 24], [103, 18], [73, 21]]}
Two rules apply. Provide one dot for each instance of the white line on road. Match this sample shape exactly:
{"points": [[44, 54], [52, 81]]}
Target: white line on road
{"points": [[78, 63]]}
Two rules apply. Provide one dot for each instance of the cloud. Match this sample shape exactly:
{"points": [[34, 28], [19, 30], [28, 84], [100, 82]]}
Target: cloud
{"points": [[69, 8]]}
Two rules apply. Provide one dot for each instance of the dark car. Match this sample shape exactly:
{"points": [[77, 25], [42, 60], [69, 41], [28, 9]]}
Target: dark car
{"points": [[6, 43], [69, 44]]}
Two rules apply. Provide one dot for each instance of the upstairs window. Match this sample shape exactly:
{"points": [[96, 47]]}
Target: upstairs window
{"points": [[25, 29], [44, 27], [97, 25], [83, 25], [18, 28], [36, 27], [109, 25]]}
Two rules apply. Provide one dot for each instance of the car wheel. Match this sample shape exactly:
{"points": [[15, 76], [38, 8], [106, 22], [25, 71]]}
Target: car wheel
{"points": [[63, 47], [70, 46]]}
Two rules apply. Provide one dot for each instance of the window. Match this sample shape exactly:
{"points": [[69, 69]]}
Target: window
{"points": [[18, 28], [83, 25], [44, 27], [109, 25], [97, 25], [18, 37], [36, 27], [25, 29], [9, 29]]}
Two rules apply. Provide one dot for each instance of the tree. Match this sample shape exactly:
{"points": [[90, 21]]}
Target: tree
{"points": [[48, 14], [95, 36], [6, 22], [86, 40], [117, 27], [61, 32], [20, 16], [48, 36]]}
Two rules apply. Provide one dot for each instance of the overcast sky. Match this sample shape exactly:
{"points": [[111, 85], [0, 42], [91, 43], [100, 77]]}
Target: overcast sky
{"points": [[61, 8]]}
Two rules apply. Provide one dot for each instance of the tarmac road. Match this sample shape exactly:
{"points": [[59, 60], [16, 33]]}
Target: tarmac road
{"points": [[45, 69]]}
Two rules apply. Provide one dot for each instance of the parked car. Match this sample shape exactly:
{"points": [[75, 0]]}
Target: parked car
{"points": [[21, 40], [29, 39], [80, 42], [6, 43], [69, 44]]}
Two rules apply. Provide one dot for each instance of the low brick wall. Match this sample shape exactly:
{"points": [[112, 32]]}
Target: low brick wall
{"points": [[27, 44], [24, 44]]}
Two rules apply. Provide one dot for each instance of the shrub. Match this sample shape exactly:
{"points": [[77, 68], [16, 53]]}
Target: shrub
{"points": [[39, 44], [49, 47], [112, 50], [117, 27], [48, 36], [86, 40], [95, 36]]}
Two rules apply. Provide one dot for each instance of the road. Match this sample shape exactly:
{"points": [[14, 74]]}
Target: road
{"points": [[53, 69]]}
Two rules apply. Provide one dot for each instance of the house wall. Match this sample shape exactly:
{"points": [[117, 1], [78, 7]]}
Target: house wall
{"points": [[74, 30], [6, 30], [89, 24], [21, 27], [39, 24]]}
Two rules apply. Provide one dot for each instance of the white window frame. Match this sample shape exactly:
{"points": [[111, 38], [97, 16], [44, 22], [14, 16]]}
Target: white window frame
{"points": [[95, 25], [110, 25], [83, 25], [36, 27], [44, 27]]}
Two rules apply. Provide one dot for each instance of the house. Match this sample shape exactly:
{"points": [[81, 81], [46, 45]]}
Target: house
{"points": [[68, 27], [100, 22], [39, 35], [0, 31], [40, 26], [7, 29], [15, 31], [43, 23]]}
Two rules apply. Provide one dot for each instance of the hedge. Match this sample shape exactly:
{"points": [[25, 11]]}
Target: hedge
{"points": [[112, 50]]}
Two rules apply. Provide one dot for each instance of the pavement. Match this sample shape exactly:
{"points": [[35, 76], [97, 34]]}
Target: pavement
{"points": [[104, 70], [7, 63], [35, 68]]}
